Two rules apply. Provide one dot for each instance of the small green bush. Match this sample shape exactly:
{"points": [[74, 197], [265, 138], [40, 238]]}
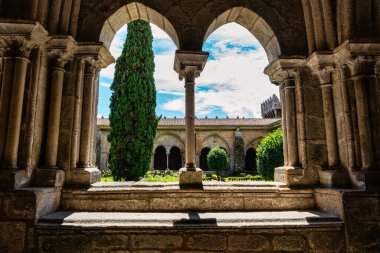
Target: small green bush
{"points": [[217, 159], [270, 154]]}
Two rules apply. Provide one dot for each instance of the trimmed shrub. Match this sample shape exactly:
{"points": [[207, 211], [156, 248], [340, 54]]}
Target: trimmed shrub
{"points": [[217, 159], [270, 154]]}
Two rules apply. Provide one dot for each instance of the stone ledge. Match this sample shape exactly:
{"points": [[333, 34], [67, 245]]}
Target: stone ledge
{"points": [[208, 219]]}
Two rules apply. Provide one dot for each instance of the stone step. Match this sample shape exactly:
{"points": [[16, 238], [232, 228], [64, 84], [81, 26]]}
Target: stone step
{"points": [[282, 231], [168, 197]]}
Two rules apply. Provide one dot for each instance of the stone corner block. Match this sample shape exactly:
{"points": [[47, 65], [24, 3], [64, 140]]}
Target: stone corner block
{"points": [[334, 178], [83, 177], [189, 178], [48, 178], [14, 179]]}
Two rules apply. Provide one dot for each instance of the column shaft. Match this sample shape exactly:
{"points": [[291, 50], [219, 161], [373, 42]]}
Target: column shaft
{"points": [[284, 128], [331, 135], [361, 96], [54, 117], [190, 125], [6, 90], [15, 113], [167, 160], [291, 124], [86, 130]]}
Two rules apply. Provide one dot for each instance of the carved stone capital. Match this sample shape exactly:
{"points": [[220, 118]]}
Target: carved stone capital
{"points": [[359, 57], [61, 49], [189, 65], [322, 66], [284, 68], [21, 38], [95, 52]]}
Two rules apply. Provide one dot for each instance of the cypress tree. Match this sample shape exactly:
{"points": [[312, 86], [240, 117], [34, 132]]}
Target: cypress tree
{"points": [[133, 119]]}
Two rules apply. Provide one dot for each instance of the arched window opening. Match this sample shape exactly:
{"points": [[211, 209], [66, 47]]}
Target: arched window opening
{"points": [[160, 159], [175, 159], [203, 158], [250, 161]]}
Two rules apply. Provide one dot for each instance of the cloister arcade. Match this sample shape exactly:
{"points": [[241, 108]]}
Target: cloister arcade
{"points": [[323, 54]]}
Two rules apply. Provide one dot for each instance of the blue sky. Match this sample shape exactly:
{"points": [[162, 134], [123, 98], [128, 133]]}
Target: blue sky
{"points": [[232, 83]]}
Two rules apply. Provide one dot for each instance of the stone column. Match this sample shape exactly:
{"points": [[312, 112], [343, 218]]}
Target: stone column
{"points": [[86, 139], [167, 157], [190, 120], [189, 65], [54, 114], [361, 96], [15, 112], [284, 128], [291, 124]]}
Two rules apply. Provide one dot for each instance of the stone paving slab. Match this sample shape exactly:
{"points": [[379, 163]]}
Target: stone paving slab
{"points": [[209, 219]]}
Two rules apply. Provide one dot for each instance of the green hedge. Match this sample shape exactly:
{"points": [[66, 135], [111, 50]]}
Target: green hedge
{"points": [[270, 154]]}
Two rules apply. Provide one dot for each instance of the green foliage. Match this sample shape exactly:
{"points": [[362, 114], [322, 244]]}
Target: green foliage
{"points": [[244, 178], [270, 154], [217, 159], [133, 119], [158, 176]]}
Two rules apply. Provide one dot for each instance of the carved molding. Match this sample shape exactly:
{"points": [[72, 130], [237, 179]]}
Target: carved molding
{"points": [[189, 65], [284, 68]]}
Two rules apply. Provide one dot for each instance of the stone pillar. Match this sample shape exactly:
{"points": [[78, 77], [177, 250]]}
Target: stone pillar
{"points": [[323, 67], [291, 124], [190, 121], [189, 65], [15, 113], [86, 139], [284, 128], [361, 96], [167, 157], [54, 114]]}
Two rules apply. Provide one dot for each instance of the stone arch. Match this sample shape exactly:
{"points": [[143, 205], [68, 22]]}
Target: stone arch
{"points": [[215, 140], [254, 24], [160, 158], [203, 158], [175, 158], [169, 140], [253, 143], [131, 12], [250, 160]]}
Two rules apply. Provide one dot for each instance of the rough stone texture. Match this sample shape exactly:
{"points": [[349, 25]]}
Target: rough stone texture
{"points": [[239, 152], [289, 243], [156, 242], [189, 178], [248, 243], [207, 242], [12, 239]]}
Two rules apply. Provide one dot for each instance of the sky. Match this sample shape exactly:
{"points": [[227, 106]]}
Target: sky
{"points": [[232, 84]]}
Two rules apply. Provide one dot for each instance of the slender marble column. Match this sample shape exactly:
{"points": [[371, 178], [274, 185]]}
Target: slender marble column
{"points": [[87, 111], [15, 113], [54, 116], [330, 126], [167, 158], [284, 128], [366, 148], [291, 124], [190, 123]]}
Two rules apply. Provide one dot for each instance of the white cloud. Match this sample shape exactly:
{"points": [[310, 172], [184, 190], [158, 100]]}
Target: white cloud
{"points": [[233, 82]]}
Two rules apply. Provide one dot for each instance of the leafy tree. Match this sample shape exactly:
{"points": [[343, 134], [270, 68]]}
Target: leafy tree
{"points": [[133, 119], [270, 154], [217, 159]]}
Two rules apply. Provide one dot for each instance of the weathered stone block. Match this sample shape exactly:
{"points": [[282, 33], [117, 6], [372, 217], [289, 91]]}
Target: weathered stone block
{"points": [[325, 241], [20, 206], [12, 237], [189, 178], [111, 241], [65, 244], [207, 242], [248, 243], [155, 241], [289, 243]]}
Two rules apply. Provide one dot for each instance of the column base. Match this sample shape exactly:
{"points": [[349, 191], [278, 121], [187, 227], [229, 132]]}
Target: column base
{"points": [[48, 177], [14, 179], [190, 178], [336, 178], [83, 177], [288, 175], [367, 180]]}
